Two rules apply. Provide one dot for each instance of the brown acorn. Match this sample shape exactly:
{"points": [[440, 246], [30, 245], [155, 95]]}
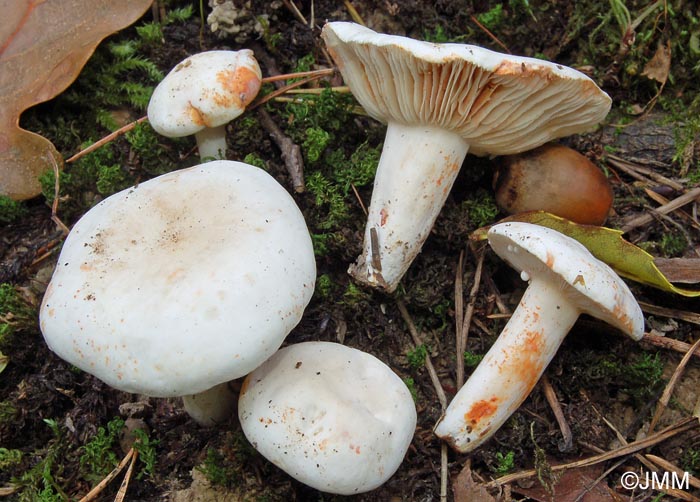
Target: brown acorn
{"points": [[555, 179]]}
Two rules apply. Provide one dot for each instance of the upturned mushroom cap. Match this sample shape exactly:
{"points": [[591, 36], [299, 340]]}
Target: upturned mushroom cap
{"points": [[500, 104], [592, 285], [186, 281], [333, 417], [207, 89]]}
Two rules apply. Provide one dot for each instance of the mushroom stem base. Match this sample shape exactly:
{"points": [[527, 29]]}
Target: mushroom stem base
{"points": [[212, 406], [416, 171], [211, 143], [510, 369]]}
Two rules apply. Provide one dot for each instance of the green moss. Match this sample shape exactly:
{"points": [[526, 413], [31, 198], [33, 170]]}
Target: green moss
{"points": [[416, 356], [146, 448], [16, 314], [324, 286], [9, 458], [411, 385], [98, 457], [673, 244], [218, 470], [315, 142], [254, 160], [471, 359], [353, 295], [504, 463], [492, 18], [481, 208], [10, 210]]}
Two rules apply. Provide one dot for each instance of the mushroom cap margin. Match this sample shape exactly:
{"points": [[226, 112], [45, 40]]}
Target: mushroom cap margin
{"points": [[588, 282]]}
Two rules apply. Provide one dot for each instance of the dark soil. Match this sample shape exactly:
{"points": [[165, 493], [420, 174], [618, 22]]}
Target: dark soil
{"points": [[598, 374]]}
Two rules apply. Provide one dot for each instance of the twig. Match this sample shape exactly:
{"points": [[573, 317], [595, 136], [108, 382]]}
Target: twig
{"points": [[56, 193], [282, 90], [491, 35], [442, 398], [459, 319], [121, 493], [444, 470], [551, 395], [681, 201], [668, 390], [670, 343], [353, 13], [291, 153], [682, 315], [102, 484], [670, 467], [359, 199], [295, 10], [682, 426], [122, 130], [323, 72], [639, 172], [469, 313]]}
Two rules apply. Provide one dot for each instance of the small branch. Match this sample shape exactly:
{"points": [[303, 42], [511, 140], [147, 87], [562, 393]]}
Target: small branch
{"points": [[428, 362], [670, 343], [553, 400], [668, 390], [122, 130], [102, 484], [681, 201], [491, 35], [291, 153], [56, 193], [678, 428]]}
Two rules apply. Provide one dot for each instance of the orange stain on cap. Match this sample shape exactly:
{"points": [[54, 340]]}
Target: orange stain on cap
{"points": [[241, 84]]}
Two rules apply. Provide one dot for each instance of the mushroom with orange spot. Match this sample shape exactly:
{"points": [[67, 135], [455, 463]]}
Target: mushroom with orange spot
{"points": [[441, 101], [146, 330], [202, 94], [553, 264], [353, 419]]}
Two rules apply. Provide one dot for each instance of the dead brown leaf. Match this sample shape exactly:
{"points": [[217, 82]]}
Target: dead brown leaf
{"points": [[659, 66], [580, 485], [43, 46], [465, 489], [682, 270]]}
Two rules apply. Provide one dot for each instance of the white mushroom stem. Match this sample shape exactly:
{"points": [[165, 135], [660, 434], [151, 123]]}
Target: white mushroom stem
{"points": [[416, 171], [211, 142], [211, 407], [511, 368]]}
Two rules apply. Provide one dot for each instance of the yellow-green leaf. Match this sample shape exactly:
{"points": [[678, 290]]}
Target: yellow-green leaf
{"points": [[607, 245]]}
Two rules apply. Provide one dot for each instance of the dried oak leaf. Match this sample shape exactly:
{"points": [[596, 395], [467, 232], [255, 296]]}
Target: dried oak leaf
{"points": [[43, 46]]}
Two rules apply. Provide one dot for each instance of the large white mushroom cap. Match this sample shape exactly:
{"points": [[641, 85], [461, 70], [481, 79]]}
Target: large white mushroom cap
{"points": [[335, 418], [186, 281], [498, 103], [207, 89]]}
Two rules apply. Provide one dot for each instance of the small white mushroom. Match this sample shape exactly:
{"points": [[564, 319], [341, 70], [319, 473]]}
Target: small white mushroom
{"points": [[181, 284], [335, 418], [202, 94], [565, 280], [441, 101]]}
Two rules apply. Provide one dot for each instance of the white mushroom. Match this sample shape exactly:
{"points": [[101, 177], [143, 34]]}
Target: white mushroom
{"points": [[565, 280], [441, 101], [181, 284], [202, 94], [332, 417]]}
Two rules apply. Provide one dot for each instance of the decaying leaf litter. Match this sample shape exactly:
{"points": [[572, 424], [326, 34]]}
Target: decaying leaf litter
{"points": [[608, 388]]}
